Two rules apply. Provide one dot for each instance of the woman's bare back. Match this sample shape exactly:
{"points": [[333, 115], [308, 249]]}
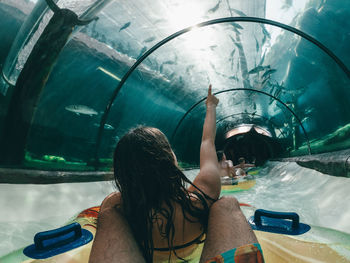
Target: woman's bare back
{"points": [[187, 234], [185, 231]]}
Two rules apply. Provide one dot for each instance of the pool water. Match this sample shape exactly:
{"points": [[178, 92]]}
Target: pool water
{"points": [[27, 208], [319, 199]]}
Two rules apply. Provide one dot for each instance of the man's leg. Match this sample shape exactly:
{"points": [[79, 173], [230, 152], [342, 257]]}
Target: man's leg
{"points": [[227, 229], [114, 241]]}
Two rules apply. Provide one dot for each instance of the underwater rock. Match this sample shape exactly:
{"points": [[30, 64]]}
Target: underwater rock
{"points": [[332, 163]]}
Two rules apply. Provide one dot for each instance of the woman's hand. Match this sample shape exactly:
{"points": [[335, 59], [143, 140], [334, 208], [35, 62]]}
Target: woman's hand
{"points": [[211, 99]]}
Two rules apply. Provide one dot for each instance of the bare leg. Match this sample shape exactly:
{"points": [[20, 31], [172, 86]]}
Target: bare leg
{"points": [[227, 229], [114, 241]]}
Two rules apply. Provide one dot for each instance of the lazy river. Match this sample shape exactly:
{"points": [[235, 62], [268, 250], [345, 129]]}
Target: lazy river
{"points": [[319, 199]]}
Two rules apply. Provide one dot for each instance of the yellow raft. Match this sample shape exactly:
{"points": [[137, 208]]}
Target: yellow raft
{"points": [[238, 186], [239, 183], [317, 245]]}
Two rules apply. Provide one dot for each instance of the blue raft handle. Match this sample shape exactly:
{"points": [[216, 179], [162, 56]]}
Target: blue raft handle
{"points": [[279, 215], [53, 242], [278, 222], [57, 237]]}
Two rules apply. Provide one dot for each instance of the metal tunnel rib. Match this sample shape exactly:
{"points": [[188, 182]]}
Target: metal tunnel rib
{"points": [[206, 23], [253, 90]]}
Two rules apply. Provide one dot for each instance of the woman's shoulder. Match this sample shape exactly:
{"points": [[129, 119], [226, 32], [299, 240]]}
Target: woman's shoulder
{"points": [[111, 201]]}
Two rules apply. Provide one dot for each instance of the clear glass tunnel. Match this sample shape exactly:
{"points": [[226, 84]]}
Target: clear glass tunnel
{"points": [[77, 75]]}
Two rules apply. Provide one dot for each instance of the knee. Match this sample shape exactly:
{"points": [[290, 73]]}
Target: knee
{"points": [[226, 204]]}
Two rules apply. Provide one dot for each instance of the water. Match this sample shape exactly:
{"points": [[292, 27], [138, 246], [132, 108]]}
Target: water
{"points": [[319, 199], [27, 209]]}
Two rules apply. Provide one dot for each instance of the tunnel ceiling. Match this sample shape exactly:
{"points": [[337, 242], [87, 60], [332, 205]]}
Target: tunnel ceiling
{"points": [[264, 74]]}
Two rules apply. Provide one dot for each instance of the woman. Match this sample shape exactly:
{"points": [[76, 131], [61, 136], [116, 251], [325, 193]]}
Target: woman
{"points": [[166, 219], [227, 168], [241, 166]]}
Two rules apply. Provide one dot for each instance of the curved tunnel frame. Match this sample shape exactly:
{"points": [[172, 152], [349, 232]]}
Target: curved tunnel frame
{"points": [[206, 23], [7, 81], [260, 116], [247, 89]]}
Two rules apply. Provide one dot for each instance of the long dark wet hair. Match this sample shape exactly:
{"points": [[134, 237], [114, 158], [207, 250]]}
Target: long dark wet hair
{"points": [[150, 183]]}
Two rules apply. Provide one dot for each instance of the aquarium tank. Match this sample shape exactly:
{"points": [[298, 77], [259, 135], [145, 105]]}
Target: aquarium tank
{"points": [[77, 75]]}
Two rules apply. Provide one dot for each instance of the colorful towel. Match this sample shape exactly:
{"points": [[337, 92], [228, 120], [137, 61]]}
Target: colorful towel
{"points": [[251, 253]]}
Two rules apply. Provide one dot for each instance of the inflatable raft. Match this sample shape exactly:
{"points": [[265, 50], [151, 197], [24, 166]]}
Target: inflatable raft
{"points": [[239, 183], [69, 244], [282, 237], [230, 185]]}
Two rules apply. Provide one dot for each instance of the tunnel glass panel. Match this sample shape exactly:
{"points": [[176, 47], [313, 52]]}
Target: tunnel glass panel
{"points": [[280, 71], [174, 77]]}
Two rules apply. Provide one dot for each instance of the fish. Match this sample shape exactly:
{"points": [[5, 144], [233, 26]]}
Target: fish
{"points": [[271, 98], [236, 25], [257, 69], [213, 47], [269, 72], [278, 92], [262, 59], [236, 31], [155, 62], [81, 109], [231, 57], [125, 26], [287, 4], [143, 50], [106, 126], [295, 92], [280, 86], [305, 119], [161, 20], [189, 68], [238, 12], [182, 82], [239, 46], [212, 66], [256, 44], [150, 39], [168, 62], [172, 75], [309, 110], [263, 40], [280, 105], [265, 80], [265, 32], [234, 78], [237, 69], [215, 8]]}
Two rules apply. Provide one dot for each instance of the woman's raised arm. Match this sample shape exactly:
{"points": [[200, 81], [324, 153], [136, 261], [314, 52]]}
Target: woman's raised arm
{"points": [[208, 179]]}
